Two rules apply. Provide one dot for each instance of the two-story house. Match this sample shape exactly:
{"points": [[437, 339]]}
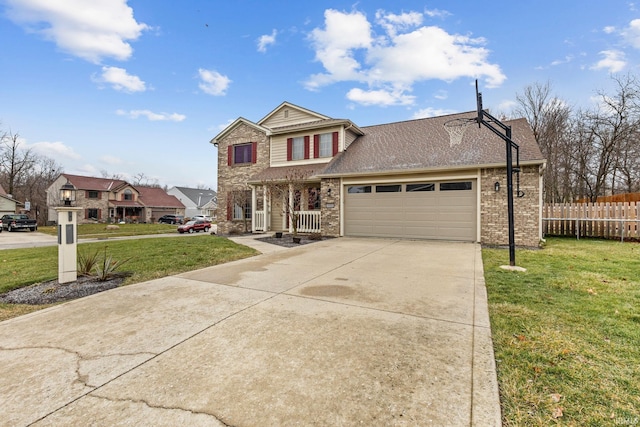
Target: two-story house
{"points": [[197, 201], [114, 200], [405, 179]]}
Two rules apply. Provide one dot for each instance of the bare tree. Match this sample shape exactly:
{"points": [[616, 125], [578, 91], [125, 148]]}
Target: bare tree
{"points": [[549, 118], [292, 190], [15, 163]]}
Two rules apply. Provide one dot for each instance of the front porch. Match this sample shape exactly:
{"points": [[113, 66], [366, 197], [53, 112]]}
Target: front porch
{"points": [[280, 208], [307, 221]]}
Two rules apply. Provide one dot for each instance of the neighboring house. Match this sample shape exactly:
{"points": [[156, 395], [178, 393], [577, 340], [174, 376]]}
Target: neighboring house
{"points": [[404, 179], [114, 200], [7, 204], [197, 201]]}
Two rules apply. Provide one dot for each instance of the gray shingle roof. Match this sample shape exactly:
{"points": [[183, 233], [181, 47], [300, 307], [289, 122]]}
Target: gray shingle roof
{"points": [[424, 144]]}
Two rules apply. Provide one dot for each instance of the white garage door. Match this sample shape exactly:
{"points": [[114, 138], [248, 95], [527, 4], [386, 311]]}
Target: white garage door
{"points": [[423, 210]]}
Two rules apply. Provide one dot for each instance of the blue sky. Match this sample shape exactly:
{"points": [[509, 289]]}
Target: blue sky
{"points": [[141, 86]]}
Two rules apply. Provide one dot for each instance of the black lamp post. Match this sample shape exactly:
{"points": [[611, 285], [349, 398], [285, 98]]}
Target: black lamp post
{"points": [[68, 193]]}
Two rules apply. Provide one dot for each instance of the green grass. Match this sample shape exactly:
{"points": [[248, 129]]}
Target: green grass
{"points": [[100, 230], [567, 333], [149, 259]]}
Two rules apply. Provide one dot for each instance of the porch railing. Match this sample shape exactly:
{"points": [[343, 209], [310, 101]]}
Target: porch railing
{"points": [[309, 221], [259, 219]]}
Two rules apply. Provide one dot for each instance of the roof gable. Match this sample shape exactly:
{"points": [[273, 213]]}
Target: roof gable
{"points": [[157, 197], [198, 196], [240, 120], [289, 114]]}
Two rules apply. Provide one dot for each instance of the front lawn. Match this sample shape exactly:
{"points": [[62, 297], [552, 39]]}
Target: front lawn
{"points": [[149, 259], [566, 333]]}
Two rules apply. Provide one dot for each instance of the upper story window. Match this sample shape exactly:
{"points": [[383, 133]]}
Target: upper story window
{"points": [[326, 145], [242, 154], [127, 194], [297, 152], [93, 194]]}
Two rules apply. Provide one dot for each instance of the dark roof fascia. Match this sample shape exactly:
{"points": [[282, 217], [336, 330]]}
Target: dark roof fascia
{"points": [[427, 170]]}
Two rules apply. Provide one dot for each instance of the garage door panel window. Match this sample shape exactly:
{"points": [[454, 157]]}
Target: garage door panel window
{"points": [[388, 188], [359, 189], [421, 187], [455, 186]]}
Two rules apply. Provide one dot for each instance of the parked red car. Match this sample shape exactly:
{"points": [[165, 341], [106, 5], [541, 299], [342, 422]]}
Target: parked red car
{"points": [[194, 226]]}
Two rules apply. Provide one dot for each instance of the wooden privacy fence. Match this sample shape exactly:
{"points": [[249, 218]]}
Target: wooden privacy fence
{"points": [[605, 220]]}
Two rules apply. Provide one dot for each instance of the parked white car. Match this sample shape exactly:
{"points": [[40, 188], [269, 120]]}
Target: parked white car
{"points": [[202, 217]]}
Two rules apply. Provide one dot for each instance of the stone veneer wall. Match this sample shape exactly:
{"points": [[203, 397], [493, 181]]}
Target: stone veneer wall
{"points": [[85, 203], [330, 215], [234, 178], [494, 209]]}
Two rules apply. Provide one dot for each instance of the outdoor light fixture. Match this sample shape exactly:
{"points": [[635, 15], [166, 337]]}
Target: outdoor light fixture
{"points": [[68, 193], [496, 186]]}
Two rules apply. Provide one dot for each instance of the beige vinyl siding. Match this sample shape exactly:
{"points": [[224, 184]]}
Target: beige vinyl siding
{"points": [[349, 137], [279, 147], [295, 117]]}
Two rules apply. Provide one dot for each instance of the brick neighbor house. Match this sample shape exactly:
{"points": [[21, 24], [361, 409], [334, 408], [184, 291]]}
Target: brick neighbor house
{"points": [[404, 179], [114, 200]]}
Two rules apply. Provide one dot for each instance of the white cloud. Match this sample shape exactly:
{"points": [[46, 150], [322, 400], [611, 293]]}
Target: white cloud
{"points": [[92, 32], [379, 97], [266, 40], [431, 112], [120, 80], [609, 29], [213, 83], [55, 150], [408, 53], [613, 61], [632, 33], [151, 116]]}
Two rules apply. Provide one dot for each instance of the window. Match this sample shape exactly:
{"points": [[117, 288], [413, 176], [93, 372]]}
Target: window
{"points": [[455, 186], [238, 209], [242, 153], [421, 187], [314, 199], [297, 152], [93, 194], [355, 189], [326, 145], [92, 214], [127, 195], [388, 188]]}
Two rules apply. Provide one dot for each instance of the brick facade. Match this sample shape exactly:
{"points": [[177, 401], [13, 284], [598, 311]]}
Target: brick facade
{"points": [[494, 220], [235, 177]]}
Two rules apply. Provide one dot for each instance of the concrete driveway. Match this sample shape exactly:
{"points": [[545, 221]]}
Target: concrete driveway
{"points": [[339, 332]]}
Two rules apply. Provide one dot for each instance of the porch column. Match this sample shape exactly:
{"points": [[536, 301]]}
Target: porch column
{"points": [[254, 204], [267, 212], [291, 207]]}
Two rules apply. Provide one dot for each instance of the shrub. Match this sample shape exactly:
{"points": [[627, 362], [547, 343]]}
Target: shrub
{"points": [[106, 267], [87, 262]]}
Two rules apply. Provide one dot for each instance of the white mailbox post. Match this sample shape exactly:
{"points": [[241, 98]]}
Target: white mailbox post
{"points": [[67, 235]]}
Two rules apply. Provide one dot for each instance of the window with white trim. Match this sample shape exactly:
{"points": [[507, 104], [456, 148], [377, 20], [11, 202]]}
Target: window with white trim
{"points": [[326, 145], [297, 148]]}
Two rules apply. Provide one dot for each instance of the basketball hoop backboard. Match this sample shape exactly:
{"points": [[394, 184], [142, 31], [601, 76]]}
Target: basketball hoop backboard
{"points": [[479, 105]]}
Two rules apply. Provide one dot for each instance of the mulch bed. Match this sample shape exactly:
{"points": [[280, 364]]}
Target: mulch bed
{"points": [[287, 240], [52, 291]]}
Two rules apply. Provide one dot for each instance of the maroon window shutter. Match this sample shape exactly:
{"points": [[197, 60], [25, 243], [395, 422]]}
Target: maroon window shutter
{"points": [[86, 214], [316, 146], [86, 194], [99, 214], [229, 155], [335, 143], [254, 152], [289, 148], [306, 146]]}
